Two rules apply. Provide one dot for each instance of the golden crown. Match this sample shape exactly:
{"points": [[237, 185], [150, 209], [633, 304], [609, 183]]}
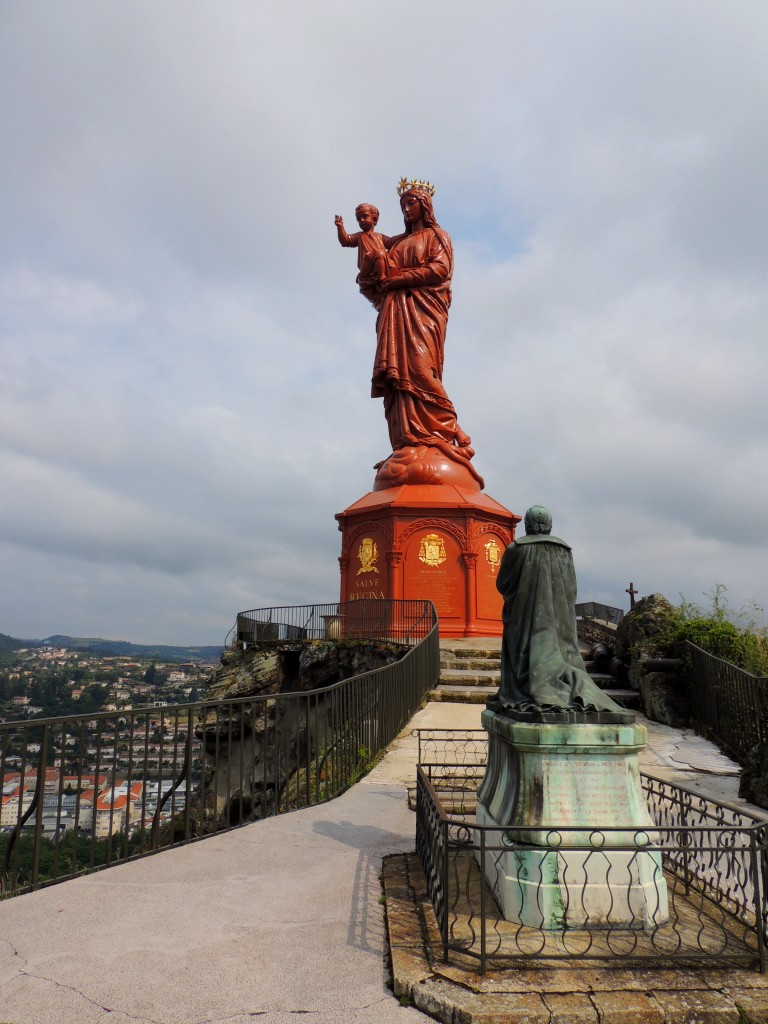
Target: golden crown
{"points": [[425, 186]]}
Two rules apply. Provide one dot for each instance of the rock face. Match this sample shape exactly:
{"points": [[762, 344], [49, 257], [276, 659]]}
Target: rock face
{"points": [[664, 695], [753, 785], [306, 666], [244, 674], [650, 616], [257, 751], [665, 699]]}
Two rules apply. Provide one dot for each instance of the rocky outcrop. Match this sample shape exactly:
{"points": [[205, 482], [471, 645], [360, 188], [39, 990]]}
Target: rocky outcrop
{"points": [[753, 785], [264, 754], [650, 617], [665, 699], [640, 637], [244, 674], [308, 665]]}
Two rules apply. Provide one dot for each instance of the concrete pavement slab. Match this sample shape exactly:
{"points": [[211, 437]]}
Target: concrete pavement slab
{"points": [[276, 919], [279, 918]]}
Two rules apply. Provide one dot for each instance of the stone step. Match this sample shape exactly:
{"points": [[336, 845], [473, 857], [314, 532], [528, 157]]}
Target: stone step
{"points": [[468, 677], [464, 694], [472, 675], [467, 691], [604, 680], [470, 653], [629, 698], [481, 673], [487, 664]]}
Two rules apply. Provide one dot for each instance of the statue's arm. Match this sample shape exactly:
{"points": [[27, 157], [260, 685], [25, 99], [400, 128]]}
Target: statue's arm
{"points": [[507, 571], [350, 241], [436, 269]]}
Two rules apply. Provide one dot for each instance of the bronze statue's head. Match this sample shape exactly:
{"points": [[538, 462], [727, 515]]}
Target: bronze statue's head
{"points": [[373, 210], [425, 202], [538, 520]]}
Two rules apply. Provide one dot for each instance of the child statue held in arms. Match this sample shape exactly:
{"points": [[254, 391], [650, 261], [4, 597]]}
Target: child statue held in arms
{"points": [[372, 262]]}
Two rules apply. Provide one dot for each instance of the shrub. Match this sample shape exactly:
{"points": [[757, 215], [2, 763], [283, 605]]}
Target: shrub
{"points": [[743, 642]]}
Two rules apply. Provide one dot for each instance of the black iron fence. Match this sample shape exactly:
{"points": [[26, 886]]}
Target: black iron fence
{"points": [[88, 791], [728, 703], [689, 889], [402, 622]]}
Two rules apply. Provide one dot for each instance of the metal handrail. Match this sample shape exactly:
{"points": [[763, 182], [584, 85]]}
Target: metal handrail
{"points": [[729, 703], [404, 622], [185, 771]]}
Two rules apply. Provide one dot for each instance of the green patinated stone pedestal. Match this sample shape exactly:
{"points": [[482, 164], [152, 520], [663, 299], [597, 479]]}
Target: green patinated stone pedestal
{"points": [[572, 853]]}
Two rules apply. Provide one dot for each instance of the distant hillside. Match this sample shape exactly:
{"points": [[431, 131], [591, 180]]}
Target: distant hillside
{"points": [[9, 644], [120, 648]]}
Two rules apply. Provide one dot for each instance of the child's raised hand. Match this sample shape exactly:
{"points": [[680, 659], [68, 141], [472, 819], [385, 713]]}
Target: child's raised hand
{"points": [[338, 220]]}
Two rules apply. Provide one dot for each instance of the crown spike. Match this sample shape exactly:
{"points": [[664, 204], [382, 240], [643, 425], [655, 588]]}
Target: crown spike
{"points": [[425, 186]]}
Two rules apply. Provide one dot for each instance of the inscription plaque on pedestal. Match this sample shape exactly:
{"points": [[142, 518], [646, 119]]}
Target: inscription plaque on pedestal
{"points": [[565, 802], [433, 570], [367, 577]]}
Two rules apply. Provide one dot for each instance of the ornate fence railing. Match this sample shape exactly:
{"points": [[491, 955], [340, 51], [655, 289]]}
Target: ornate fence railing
{"points": [[88, 791], [704, 864], [730, 704]]}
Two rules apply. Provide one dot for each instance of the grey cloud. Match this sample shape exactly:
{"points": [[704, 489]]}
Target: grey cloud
{"points": [[185, 359]]}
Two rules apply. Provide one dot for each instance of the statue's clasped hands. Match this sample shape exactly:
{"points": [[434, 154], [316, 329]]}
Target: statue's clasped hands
{"points": [[395, 280]]}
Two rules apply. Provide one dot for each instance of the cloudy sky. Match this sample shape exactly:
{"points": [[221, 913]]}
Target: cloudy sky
{"points": [[185, 359]]}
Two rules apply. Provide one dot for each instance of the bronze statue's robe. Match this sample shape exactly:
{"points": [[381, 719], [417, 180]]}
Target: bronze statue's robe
{"points": [[541, 666]]}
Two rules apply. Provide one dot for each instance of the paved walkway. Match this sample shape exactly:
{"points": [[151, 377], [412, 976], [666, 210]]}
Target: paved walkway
{"points": [[274, 920], [678, 755]]}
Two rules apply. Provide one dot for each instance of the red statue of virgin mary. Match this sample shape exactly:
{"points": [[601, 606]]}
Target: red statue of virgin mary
{"points": [[438, 535], [413, 297]]}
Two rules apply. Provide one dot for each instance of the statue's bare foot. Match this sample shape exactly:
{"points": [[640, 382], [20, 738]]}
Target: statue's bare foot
{"points": [[462, 440]]}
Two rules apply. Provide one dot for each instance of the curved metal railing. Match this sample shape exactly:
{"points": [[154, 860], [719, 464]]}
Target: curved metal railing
{"points": [[727, 703], [400, 622], [89, 791], [689, 886]]}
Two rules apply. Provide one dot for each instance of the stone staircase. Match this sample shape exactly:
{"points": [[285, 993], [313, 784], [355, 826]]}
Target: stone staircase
{"points": [[470, 673]]}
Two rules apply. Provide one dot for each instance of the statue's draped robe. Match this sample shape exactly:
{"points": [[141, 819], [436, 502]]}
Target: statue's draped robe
{"points": [[410, 333], [541, 665]]}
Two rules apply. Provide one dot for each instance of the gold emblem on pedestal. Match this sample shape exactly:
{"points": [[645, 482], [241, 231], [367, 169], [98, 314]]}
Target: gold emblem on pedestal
{"points": [[432, 549], [493, 554], [367, 553]]}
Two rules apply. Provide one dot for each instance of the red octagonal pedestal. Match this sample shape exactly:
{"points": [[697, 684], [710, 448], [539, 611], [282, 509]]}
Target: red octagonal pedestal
{"points": [[442, 542]]}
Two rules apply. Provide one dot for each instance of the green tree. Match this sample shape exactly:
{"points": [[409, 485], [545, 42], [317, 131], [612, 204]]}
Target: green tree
{"points": [[93, 698]]}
